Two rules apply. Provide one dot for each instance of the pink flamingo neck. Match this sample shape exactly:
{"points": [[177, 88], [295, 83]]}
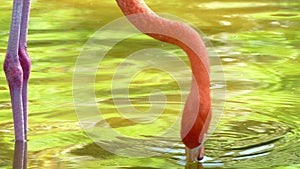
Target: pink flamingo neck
{"points": [[197, 110]]}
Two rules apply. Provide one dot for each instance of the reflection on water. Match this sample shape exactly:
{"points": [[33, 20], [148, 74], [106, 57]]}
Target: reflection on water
{"points": [[20, 155], [194, 166], [258, 43]]}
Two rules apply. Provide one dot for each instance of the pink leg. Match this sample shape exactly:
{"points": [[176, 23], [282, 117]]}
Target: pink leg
{"points": [[14, 71], [14, 76], [24, 59], [26, 65]]}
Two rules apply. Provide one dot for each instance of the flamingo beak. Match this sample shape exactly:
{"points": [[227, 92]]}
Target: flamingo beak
{"points": [[194, 154]]}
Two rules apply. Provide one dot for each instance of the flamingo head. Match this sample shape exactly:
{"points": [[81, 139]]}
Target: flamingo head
{"points": [[194, 154]]}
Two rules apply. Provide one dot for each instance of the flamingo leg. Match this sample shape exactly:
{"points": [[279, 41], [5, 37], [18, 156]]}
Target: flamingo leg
{"points": [[13, 68], [24, 60]]}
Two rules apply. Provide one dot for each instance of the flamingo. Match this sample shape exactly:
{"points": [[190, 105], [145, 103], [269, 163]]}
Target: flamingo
{"points": [[197, 111]]}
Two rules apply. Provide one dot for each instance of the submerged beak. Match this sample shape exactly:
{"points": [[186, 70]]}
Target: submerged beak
{"points": [[194, 154]]}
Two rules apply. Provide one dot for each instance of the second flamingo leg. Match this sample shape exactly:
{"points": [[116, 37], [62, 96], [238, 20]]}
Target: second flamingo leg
{"points": [[25, 60]]}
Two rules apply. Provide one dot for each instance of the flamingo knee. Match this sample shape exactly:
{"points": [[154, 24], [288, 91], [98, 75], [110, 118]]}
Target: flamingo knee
{"points": [[14, 76]]}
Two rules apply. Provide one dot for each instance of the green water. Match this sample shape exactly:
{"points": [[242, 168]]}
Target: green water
{"points": [[257, 41]]}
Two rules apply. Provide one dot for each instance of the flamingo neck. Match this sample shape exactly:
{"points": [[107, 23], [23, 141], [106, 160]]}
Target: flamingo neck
{"points": [[197, 108]]}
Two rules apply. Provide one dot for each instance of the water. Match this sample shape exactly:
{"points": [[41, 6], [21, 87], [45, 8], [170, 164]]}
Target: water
{"points": [[257, 41]]}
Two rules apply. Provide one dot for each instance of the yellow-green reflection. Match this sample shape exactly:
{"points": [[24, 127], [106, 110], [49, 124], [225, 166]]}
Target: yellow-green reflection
{"points": [[258, 42]]}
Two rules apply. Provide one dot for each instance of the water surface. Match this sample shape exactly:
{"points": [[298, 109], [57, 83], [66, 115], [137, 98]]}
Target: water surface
{"points": [[257, 41]]}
